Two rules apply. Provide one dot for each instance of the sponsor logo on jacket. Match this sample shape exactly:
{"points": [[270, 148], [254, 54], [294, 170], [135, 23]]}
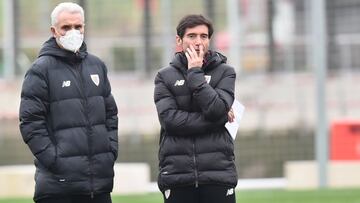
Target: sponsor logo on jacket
{"points": [[230, 192], [179, 83], [66, 83]]}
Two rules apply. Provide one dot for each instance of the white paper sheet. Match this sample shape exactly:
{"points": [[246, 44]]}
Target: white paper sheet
{"points": [[233, 127]]}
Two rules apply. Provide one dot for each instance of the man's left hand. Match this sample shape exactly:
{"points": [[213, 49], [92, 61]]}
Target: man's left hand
{"points": [[231, 115]]}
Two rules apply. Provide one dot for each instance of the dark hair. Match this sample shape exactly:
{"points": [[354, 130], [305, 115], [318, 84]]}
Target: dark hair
{"points": [[191, 21]]}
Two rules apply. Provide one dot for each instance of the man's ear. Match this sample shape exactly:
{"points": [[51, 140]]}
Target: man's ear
{"points": [[53, 31], [178, 47], [178, 40]]}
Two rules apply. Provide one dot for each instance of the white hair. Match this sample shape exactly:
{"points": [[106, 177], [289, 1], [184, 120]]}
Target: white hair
{"points": [[68, 7]]}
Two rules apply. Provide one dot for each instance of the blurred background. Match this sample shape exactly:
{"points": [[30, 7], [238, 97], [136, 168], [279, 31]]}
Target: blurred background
{"points": [[297, 75]]}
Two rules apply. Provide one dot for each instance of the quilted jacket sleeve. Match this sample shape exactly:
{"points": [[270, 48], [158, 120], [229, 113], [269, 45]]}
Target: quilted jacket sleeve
{"points": [[178, 121], [33, 113], [215, 102], [111, 116]]}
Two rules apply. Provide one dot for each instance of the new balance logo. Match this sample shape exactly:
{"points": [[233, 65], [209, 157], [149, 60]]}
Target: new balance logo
{"points": [[66, 83], [230, 192], [179, 83]]}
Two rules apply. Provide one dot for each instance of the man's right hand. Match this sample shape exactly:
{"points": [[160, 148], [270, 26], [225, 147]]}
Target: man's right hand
{"points": [[194, 58]]}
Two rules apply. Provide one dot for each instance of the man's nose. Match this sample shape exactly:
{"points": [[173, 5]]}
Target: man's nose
{"points": [[198, 40]]}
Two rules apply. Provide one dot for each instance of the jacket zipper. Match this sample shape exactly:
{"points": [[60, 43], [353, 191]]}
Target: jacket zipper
{"points": [[88, 128], [195, 165]]}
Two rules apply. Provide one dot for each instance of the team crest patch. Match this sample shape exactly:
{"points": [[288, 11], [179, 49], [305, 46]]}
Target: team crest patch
{"points": [[95, 78], [208, 78], [167, 193]]}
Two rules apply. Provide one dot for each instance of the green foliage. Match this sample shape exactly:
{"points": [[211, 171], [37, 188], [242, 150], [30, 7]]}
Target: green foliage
{"points": [[113, 17], [125, 57]]}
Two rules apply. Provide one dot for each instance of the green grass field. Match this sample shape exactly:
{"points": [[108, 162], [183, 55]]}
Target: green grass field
{"points": [[256, 196]]}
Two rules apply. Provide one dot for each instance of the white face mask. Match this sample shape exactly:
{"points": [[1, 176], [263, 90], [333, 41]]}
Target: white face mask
{"points": [[72, 40]]}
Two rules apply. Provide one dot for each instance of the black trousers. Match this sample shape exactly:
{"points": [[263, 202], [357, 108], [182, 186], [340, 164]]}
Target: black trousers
{"points": [[201, 194], [101, 198]]}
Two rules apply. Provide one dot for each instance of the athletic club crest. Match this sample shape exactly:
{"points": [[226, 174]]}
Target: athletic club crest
{"points": [[95, 79], [208, 78]]}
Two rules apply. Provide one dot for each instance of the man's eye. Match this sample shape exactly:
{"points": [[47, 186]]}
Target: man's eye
{"points": [[66, 28]]}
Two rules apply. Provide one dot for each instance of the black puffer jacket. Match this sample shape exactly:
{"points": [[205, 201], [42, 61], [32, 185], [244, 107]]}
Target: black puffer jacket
{"points": [[68, 118], [195, 147]]}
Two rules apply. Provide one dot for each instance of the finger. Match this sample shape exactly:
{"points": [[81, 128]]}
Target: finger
{"points": [[191, 55], [193, 50], [187, 56], [201, 54], [232, 114], [192, 47], [231, 119]]}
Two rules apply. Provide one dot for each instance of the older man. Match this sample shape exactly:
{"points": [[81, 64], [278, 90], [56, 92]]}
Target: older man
{"points": [[68, 117]]}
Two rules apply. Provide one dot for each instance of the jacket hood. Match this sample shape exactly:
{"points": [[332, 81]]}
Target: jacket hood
{"points": [[211, 60], [51, 48]]}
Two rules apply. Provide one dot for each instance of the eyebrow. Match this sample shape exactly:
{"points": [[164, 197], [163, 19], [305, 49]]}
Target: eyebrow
{"points": [[193, 33], [71, 25]]}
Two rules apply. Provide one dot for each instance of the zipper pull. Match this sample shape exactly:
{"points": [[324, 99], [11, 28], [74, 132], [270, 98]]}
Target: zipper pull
{"points": [[92, 195]]}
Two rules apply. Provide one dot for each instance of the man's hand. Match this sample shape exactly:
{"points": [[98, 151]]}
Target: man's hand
{"points": [[231, 116], [194, 57]]}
